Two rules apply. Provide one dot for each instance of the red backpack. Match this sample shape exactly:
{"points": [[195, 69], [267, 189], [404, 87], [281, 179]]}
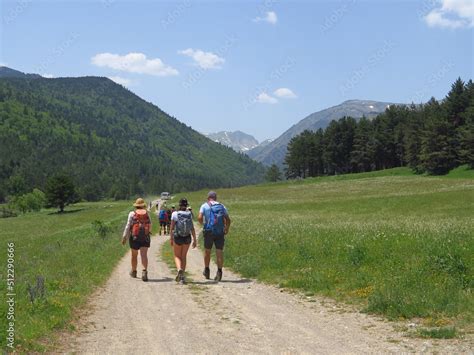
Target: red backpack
{"points": [[140, 226]]}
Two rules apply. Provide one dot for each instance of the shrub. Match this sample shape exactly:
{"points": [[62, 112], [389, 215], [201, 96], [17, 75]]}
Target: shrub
{"points": [[32, 201]]}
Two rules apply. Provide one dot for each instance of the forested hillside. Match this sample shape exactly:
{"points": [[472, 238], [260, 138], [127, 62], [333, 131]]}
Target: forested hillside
{"points": [[111, 142], [433, 138]]}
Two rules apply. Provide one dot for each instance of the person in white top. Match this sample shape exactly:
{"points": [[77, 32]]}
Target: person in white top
{"points": [[181, 230], [137, 231]]}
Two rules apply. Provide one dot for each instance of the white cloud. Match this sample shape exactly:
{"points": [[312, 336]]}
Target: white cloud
{"points": [[264, 98], [47, 76], [133, 63], [452, 14], [284, 93], [271, 17], [120, 80], [2, 64], [205, 60]]}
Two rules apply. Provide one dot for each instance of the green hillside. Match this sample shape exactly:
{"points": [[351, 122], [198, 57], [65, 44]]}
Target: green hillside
{"points": [[396, 243], [113, 143]]}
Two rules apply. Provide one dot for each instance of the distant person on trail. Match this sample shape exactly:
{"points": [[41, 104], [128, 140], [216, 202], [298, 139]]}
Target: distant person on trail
{"points": [[138, 231], [169, 212], [190, 209], [163, 218], [182, 228], [216, 222]]}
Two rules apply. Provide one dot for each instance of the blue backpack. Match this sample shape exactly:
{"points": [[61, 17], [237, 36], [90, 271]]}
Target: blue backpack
{"points": [[162, 216], [215, 224]]}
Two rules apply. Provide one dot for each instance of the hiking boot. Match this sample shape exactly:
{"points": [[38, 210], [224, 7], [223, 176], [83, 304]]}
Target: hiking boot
{"points": [[179, 275], [144, 275], [182, 281], [207, 273], [218, 275], [133, 274]]}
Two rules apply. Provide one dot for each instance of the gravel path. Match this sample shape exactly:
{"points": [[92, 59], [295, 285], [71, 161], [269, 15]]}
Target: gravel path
{"points": [[129, 316]]}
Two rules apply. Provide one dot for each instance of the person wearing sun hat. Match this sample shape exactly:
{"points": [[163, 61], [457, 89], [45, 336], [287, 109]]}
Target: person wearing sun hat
{"points": [[137, 230]]}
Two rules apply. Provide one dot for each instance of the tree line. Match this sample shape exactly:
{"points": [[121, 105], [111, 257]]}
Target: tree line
{"points": [[430, 138]]}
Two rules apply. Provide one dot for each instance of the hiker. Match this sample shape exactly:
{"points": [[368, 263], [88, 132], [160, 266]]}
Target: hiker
{"points": [[182, 228], [163, 218], [190, 209], [216, 222], [138, 231], [169, 212]]}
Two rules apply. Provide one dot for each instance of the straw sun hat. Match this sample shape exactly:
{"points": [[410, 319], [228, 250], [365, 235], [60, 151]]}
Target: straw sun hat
{"points": [[139, 203]]}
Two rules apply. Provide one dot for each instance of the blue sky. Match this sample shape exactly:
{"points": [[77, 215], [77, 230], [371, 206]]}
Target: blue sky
{"points": [[256, 66]]}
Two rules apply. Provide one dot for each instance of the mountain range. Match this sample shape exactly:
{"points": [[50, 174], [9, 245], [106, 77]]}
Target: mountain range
{"points": [[275, 151], [239, 141]]}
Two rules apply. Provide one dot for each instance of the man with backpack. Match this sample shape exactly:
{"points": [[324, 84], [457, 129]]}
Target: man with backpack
{"points": [[138, 230], [182, 227], [213, 215]]}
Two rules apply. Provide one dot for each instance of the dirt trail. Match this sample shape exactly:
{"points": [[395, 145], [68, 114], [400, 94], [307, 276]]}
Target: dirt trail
{"points": [[234, 316]]}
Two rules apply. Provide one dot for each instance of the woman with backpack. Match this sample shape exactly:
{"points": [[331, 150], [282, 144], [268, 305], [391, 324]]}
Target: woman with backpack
{"points": [[182, 228], [138, 231]]}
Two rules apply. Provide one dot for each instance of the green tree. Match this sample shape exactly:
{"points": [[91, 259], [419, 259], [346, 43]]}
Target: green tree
{"points": [[362, 154], [456, 102], [437, 153], [60, 192], [17, 185], [297, 156], [36, 200], [412, 139], [273, 173], [466, 132]]}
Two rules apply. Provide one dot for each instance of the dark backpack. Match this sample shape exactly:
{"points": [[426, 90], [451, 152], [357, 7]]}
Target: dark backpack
{"points": [[184, 224], [216, 219], [141, 226]]}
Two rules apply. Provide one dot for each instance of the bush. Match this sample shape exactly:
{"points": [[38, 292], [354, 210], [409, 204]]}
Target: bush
{"points": [[32, 201], [7, 213], [101, 228]]}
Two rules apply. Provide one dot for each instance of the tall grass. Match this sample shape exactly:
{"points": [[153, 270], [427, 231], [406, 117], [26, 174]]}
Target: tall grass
{"points": [[70, 253], [398, 244]]}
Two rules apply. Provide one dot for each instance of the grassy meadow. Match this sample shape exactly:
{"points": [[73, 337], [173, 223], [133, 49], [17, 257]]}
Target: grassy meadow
{"points": [[397, 244], [65, 251], [392, 242]]}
